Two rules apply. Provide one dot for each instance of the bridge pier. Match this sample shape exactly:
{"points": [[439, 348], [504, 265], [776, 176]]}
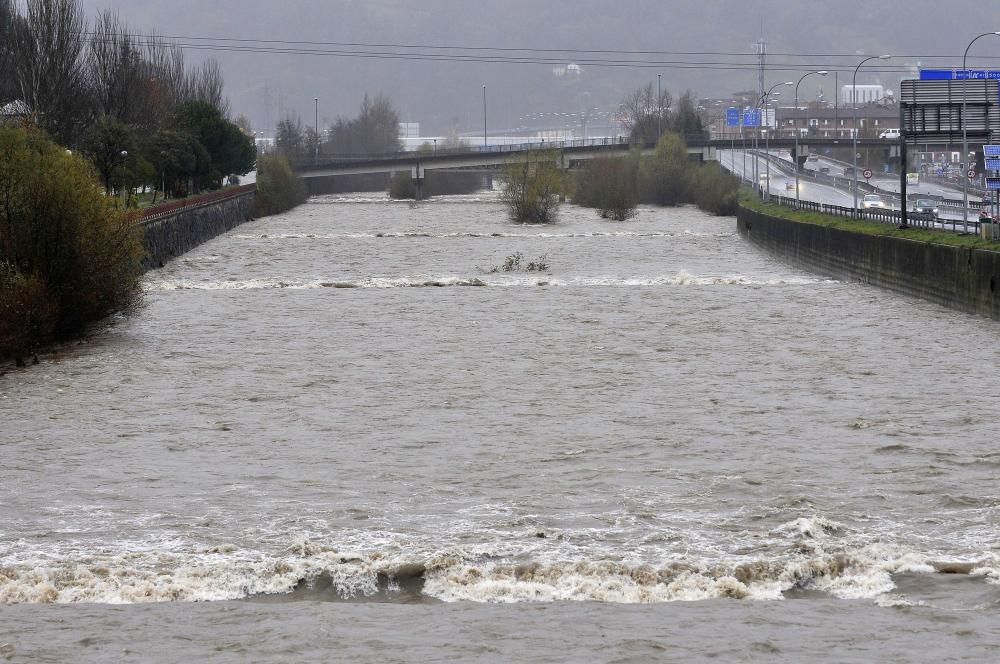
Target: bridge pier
{"points": [[417, 174]]}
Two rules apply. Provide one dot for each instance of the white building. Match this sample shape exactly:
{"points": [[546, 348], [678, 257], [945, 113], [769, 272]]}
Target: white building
{"points": [[866, 94]]}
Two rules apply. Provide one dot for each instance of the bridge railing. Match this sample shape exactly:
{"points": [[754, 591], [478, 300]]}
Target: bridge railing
{"points": [[880, 215]]}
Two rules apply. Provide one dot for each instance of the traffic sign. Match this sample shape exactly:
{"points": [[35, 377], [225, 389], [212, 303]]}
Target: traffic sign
{"points": [[958, 74], [993, 183], [991, 150], [751, 117], [867, 173], [993, 164], [972, 174], [732, 117]]}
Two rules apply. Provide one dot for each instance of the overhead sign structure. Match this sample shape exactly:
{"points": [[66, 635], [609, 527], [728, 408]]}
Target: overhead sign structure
{"points": [[950, 110], [991, 150], [993, 164], [993, 183], [959, 74], [732, 117], [751, 117]]}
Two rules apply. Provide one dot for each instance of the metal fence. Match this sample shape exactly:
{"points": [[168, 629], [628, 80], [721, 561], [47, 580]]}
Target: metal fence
{"points": [[169, 209]]}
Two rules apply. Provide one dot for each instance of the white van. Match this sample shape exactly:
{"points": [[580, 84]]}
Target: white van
{"points": [[890, 134]]}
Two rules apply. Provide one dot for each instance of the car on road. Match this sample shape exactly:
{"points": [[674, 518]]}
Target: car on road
{"points": [[873, 202], [890, 134], [812, 157], [926, 206], [824, 169]]}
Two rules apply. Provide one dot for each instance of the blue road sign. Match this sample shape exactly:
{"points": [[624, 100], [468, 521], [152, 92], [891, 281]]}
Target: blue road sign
{"points": [[958, 74], [993, 164], [751, 117], [991, 150], [732, 117], [993, 183]]}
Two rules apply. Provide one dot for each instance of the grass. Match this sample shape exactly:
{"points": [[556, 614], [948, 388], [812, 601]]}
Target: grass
{"points": [[750, 201]]}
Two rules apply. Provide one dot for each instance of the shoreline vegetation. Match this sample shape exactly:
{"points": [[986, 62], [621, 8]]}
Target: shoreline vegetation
{"points": [[69, 254]]}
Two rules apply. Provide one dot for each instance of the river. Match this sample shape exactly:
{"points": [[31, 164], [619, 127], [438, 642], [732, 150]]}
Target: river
{"points": [[339, 434]]}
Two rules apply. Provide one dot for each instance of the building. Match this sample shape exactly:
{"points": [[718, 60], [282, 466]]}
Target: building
{"points": [[866, 94], [836, 122]]}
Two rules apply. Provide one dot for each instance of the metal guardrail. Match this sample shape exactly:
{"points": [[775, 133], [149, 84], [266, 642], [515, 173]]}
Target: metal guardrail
{"points": [[152, 214]]}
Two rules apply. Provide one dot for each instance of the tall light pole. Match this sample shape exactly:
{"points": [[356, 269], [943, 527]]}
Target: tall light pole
{"points": [[316, 130], [821, 72], [659, 110], [484, 118], [854, 128], [767, 136], [965, 133]]}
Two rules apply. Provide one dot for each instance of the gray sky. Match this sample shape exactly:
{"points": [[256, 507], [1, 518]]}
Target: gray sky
{"points": [[694, 41]]}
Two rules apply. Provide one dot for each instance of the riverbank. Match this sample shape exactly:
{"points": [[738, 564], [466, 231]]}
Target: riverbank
{"points": [[957, 271]]}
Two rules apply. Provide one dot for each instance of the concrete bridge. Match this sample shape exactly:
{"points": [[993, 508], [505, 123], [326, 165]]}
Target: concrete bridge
{"points": [[569, 154]]}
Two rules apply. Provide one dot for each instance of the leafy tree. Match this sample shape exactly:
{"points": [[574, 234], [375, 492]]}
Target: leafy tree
{"points": [[664, 177], [685, 120], [107, 144], [610, 185], [230, 151]]}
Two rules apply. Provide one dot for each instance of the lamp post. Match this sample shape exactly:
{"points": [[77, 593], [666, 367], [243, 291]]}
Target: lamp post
{"points": [[484, 118], [659, 110], [316, 130], [965, 132], [767, 136], [854, 128], [821, 72]]}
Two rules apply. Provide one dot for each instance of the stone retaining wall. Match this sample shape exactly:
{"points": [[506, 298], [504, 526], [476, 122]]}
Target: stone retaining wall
{"points": [[169, 236], [961, 278]]}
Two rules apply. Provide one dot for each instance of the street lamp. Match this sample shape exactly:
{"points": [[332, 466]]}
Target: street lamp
{"points": [[854, 127], [821, 72], [484, 118], [659, 110], [965, 132], [316, 130], [767, 136]]}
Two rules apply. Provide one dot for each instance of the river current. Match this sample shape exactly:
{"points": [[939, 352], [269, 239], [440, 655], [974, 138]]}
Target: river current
{"points": [[348, 433]]}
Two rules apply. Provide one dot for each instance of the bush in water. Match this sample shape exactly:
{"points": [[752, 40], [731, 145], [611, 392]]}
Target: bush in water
{"points": [[716, 191], [610, 185], [69, 254], [278, 188], [532, 187]]}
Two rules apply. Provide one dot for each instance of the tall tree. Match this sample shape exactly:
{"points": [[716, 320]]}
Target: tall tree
{"points": [[8, 83], [50, 65], [644, 115], [374, 131]]}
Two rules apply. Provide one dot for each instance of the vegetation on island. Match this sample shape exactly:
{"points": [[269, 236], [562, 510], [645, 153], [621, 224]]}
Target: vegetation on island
{"points": [[533, 186], [278, 188]]}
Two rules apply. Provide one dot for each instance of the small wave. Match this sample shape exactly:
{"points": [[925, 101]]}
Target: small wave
{"points": [[441, 236]]}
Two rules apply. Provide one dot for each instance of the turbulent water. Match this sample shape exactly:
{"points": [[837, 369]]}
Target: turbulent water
{"points": [[348, 429]]}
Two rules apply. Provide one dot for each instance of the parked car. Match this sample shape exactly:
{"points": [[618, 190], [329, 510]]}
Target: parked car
{"points": [[873, 202], [890, 134], [926, 206]]}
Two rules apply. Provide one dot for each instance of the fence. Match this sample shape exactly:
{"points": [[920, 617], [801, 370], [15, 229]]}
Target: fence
{"points": [[168, 209]]}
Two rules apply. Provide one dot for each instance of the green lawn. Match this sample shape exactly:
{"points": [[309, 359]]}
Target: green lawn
{"points": [[749, 200]]}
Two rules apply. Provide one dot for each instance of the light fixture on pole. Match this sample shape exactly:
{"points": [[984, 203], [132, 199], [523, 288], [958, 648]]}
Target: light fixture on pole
{"points": [[767, 136], [854, 128], [316, 130], [965, 134], [821, 72], [484, 118], [659, 110]]}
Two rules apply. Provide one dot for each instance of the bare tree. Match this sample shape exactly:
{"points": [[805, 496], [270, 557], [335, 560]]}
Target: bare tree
{"points": [[117, 70], [50, 65], [644, 116], [207, 84], [289, 138], [8, 84]]}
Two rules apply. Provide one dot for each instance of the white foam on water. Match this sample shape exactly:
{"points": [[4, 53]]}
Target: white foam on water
{"points": [[153, 284]]}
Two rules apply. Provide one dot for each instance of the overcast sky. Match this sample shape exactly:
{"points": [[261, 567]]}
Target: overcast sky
{"points": [[693, 41]]}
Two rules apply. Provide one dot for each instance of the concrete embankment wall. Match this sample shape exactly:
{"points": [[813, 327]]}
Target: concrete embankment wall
{"points": [[173, 233], [961, 278]]}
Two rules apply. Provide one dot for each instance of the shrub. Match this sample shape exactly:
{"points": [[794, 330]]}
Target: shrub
{"points": [[610, 185], [716, 191], [278, 188], [532, 188], [665, 177], [70, 255]]}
